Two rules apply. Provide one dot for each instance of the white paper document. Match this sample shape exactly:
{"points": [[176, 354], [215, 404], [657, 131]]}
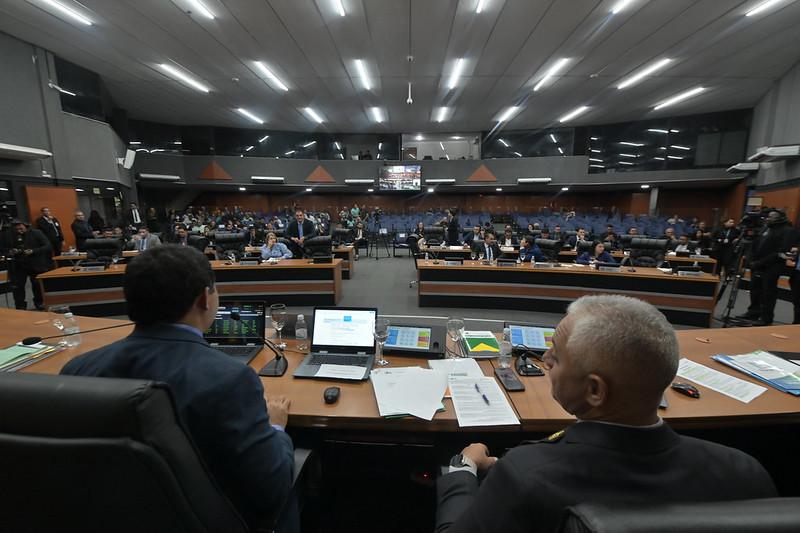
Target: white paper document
{"points": [[464, 367], [340, 372], [480, 402], [408, 390], [736, 388]]}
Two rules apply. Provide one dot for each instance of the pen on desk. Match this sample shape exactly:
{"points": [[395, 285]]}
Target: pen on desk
{"points": [[485, 399]]}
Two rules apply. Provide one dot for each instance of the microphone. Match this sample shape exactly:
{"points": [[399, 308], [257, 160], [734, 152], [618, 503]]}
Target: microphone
{"points": [[27, 341], [275, 368]]}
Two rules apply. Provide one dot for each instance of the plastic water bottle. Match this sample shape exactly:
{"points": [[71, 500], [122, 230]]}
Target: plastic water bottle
{"points": [[301, 332], [71, 330]]}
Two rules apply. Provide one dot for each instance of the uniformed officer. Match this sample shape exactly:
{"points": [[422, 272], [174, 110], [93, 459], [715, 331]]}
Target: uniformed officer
{"points": [[612, 358]]}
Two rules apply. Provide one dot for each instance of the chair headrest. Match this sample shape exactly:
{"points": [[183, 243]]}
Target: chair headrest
{"points": [[549, 244], [220, 238], [430, 230], [101, 244], [643, 243], [318, 242]]}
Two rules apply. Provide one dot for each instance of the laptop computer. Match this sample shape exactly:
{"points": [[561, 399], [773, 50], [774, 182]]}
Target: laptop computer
{"points": [[239, 339], [341, 336]]}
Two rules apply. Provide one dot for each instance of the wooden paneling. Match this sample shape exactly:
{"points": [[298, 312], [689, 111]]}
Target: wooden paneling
{"points": [[786, 198], [62, 201]]}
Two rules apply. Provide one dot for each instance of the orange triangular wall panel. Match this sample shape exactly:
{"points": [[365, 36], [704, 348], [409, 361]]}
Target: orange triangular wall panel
{"points": [[214, 172], [320, 175], [482, 174]]}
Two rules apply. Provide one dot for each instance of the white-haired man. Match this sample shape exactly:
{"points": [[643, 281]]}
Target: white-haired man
{"points": [[612, 358]]}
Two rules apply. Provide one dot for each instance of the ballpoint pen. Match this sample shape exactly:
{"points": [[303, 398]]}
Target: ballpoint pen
{"points": [[485, 399]]}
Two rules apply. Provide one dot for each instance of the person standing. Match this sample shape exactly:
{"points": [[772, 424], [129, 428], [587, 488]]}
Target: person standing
{"points": [[722, 245], [134, 217], [793, 262], [51, 227], [82, 231], [31, 254]]}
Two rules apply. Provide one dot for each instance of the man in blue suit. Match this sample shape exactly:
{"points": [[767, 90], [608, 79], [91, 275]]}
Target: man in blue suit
{"points": [[529, 251], [172, 299]]}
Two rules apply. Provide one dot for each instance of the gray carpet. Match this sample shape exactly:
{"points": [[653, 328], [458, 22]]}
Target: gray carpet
{"points": [[384, 284]]}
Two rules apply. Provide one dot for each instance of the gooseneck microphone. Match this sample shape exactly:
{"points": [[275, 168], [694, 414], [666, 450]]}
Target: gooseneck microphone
{"points": [[275, 368], [27, 341]]}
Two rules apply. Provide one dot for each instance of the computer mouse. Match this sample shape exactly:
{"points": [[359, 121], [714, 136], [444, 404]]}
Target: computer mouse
{"points": [[331, 394], [684, 388]]}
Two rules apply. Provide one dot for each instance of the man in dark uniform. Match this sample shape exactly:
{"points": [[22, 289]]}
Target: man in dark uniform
{"points": [[452, 227], [31, 254], [299, 230], [722, 244], [51, 227], [82, 231], [612, 357]]}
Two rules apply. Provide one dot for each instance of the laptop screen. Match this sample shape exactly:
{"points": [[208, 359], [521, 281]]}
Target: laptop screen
{"points": [[249, 327], [344, 329]]}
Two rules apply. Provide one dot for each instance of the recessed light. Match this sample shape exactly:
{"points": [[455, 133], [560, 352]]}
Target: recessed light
{"points": [[480, 6], [308, 189], [362, 73], [68, 11], [337, 5], [264, 138], [551, 72], [242, 188], [679, 98], [574, 113], [377, 114], [457, 69], [271, 75], [645, 186], [313, 115], [499, 189], [564, 188], [440, 114], [508, 113], [419, 137], [679, 147], [619, 6], [202, 9], [248, 114], [177, 74], [643, 73], [312, 143], [430, 189]]}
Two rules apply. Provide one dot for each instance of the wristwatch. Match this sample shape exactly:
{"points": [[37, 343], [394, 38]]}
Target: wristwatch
{"points": [[461, 463]]}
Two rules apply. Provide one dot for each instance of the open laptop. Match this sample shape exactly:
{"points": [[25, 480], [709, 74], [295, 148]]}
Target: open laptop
{"points": [[342, 336], [240, 339]]}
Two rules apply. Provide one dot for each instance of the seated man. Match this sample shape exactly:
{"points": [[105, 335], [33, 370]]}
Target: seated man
{"points": [[529, 251], [558, 235], [474, 237], [143, 240], [274, 249], [577, 238], [633, 230], [508, 238], [598, 254], [612, 358], [683, 245], [172, 299], [488, 248], [669, 234], [299, 230], [609, 235]]}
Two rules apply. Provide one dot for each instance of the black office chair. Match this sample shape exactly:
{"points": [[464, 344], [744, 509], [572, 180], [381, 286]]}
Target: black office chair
{"points": [[773, 515], [341, 236], [197, 241], [434, 235], [584, 246], [87, 454], [319, 246], [648, 252], [227, 243], [103, 249], [624, 241], [549, 248]]}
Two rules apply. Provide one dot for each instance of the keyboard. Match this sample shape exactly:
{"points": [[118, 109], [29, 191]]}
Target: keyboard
{"points": [[236, 350], [322, 359]]}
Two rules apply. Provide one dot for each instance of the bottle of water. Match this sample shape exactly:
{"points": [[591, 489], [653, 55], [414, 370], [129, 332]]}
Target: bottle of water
{"points": [[71, 330], [301, 332]]}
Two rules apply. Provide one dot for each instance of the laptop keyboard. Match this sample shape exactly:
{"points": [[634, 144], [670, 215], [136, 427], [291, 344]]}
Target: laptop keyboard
{"points": [[236, 350], [355, 360]]}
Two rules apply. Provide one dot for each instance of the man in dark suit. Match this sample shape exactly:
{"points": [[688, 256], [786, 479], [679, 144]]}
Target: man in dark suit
{"points": [[612, 358], [51, 227], [31, 254], [134, 217], [143, 240], [172, 299], [82, 231], [491, 251], [529, 251], [579, 237], [298, 231], [722, 244], [474, 236]]}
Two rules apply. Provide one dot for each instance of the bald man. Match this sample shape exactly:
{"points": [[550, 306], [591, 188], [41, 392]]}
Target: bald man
{"points": [[612, 358]]}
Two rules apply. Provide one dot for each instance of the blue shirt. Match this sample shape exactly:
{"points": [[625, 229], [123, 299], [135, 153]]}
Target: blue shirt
{"points": [[278, 250], [533, 252], [586, 258]]}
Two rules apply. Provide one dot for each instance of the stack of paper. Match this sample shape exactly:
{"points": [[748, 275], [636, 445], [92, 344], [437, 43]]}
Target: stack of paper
{"points": [[480, 402], [736, 388], [409, 391], [19, 356], [779, 373], [464, 368]]}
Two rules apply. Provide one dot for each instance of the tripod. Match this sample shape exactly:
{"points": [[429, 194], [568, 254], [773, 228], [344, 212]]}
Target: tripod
{"points": [[734, 272]]}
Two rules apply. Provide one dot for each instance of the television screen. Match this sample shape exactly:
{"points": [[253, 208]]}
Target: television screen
{"points": [[400, 178]]}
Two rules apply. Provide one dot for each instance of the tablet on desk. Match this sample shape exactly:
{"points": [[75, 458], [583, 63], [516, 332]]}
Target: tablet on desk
{"points": [[534, 338], [415, 341]]}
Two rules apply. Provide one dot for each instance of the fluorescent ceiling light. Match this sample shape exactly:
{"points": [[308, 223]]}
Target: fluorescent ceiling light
{"points": [[619, 6], [380, 145], [341, 156], [109, 188], [654, 130], [517, 154], [643, 73], [242, 188], [551, 72], [564, 188], [377, 114], [4, 189], [441, 146], [560, 151], [501, 141], [309, 189], [264, 138], [163, 177], [499, 189], [761, 7], [534, 180], [202, 9], [679, 97], [679, 147], [68, 12], [447, 157], [337, 145], [440, 180], [312, 143], [143, 150], [597, 166], [662, 147], [362, 73], [430, 189], [625, 163], [135, 142], [359, 181], [457, 69], [674, 131], [418, 137], [441, 114], [596, 151], [574, 113], [177, 142], [674, 157], [337, 5], [248, 114], [313, 115], [456, 138], [553, 138], [370, 190], [593, 138], [177, 74], [595, 159], [480, 6], [290, 152], [626, 143], [249, 148], [645, 186], [628, 155], [269, 74], [508, 113], [659, 158], [273, 179]]}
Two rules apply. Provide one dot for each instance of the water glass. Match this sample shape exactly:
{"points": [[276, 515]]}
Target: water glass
{"points": [[504, 359], [57, 313], [454, 327], [381, 333], [277, 314]]}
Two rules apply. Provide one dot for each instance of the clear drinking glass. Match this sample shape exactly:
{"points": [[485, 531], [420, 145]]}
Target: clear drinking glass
{"points": [[57, 313], [277, 313], [454, 327], [473, 255], [504, 359], [381, 333], [481, 255]]}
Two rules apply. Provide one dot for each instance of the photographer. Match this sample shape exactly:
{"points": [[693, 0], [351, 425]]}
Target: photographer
{"points": [[30, 253], [766, 267]]}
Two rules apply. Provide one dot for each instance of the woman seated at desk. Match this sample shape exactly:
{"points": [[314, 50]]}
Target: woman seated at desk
{"points": [[274, 249], [599, 254]]}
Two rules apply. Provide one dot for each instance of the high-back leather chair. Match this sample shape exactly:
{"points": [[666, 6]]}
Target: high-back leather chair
{"points": [[648, 252], [549, 248], [93, 454]]}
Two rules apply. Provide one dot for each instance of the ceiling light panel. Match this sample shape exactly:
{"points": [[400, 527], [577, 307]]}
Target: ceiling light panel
{"points": [[377, 114], [441, 113], [338, 7], [574, 113], [552, 71], [647, 71], [679, 98], [200, 8], [248, 114], [61, 10], [265, 70], [183, 77], [362, 73], [456, 74], [313, 115]]}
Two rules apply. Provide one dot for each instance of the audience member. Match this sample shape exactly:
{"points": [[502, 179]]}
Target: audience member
{"points": [[684, 245], [30, 253], [529, 251], [299, 230], [273, 249], [579, 237], [598, 253], [51, 227], [82, 230], [143, 240]]}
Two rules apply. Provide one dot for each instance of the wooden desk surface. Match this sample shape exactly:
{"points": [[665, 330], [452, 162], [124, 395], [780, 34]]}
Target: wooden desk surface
{"points": [[537, 410]]}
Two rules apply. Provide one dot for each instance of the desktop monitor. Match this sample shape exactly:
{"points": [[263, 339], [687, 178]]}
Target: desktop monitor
{"points": [[400, 178]]}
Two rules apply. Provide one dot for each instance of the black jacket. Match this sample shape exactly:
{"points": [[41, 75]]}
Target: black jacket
{"points": [[527, 489], [221, 403], [82, 231], [481, 246], [41, 260], [53, 231], [767, 247], [308, 230]]}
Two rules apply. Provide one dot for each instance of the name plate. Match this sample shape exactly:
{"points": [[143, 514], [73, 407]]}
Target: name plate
{"points": [[689, 273], [91, 268], [699, 256], [453, 263], [543, 265], [249, 262], [609, 269]]}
